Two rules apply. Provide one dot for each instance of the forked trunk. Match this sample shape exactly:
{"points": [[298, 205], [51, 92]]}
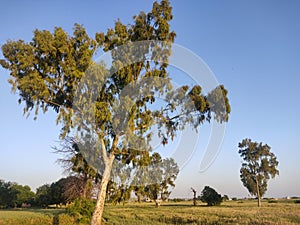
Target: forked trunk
{"points": [[258, 193], [99, 207]]}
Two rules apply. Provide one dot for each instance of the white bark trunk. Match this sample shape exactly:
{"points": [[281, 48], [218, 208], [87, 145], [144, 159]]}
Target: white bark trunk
{"points": [[108, 161], [99, 207]]}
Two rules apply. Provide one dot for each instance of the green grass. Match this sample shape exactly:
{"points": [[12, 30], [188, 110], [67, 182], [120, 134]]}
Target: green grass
{"points": [[232, 212]]}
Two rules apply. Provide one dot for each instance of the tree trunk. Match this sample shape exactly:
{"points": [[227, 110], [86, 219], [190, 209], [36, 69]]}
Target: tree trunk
{"points": [[99, 207], [139, 198], [84, 191], [258, 193]]}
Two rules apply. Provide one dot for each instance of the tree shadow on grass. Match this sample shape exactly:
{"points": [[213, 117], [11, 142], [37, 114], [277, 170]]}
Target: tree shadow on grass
{"points": [[55, 219]]}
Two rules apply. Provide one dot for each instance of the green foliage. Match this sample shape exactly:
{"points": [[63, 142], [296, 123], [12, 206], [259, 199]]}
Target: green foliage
{"points": [[210, 196], [5, 194], [259, 165], [43, 196], [63, 191], [45, 70], [14, 195], [57, 190], [22, 194], [153, 181], [166, 172], [177, 200], [82, 209]]}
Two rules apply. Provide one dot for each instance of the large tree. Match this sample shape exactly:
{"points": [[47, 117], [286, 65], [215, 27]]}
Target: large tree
{"points": [[259, 165], [56, 70]]}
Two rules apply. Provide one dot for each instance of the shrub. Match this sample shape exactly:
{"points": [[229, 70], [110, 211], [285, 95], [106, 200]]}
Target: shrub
{"points": [[272, 201], [297, 201], [82, 209], [210, 196], [177, 200]]}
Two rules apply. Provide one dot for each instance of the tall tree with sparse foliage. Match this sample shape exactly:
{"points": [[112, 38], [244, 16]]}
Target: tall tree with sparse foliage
{"points": [[259, 165], [47, 73]]}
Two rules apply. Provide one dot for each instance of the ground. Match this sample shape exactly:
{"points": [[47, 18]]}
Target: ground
{"points": [[285, 212]]}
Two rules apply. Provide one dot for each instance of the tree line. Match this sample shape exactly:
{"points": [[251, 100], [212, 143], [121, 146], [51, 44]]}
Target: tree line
{"points": [[14, 195], [83, 180]]}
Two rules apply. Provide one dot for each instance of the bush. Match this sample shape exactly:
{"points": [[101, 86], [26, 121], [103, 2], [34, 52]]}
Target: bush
{"points": [[272, 201], [82, 209], [177, 200], [297, 201], [210, 196]]}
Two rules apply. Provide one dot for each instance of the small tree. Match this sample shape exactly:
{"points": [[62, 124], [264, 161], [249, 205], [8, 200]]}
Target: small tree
{"points": [[259, 165], [225, 198], [195, 196], [210, 196]]}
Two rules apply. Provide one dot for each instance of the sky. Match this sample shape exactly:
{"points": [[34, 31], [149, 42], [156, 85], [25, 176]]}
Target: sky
{"points": [[252, 47]]}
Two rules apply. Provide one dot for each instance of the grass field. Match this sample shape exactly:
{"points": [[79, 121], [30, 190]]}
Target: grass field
{"points": [[232, 212]]}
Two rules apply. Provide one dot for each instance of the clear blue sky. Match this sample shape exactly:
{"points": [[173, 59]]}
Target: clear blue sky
{"points": [[253, 48]]}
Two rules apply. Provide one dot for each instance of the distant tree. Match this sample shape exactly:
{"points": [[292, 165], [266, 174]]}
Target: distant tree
{"points": [[21, 194], [163, 173], [119, 189], [194, 198], [170, 171], [139, 192], [43, 196], [66, 190], [259, 165], [57, 190], [76, 187], [210, 196], [83, 174], [6, 196], [225, 198]]}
